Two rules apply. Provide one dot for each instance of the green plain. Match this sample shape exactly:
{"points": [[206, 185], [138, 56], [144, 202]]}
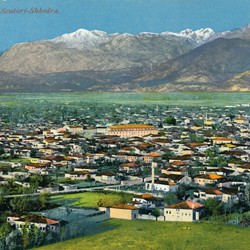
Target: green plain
{"points": [[166, 98], [141, 234]]}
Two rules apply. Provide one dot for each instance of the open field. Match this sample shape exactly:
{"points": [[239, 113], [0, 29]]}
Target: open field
{"points": [[169, 98], [90, 199], [138, 234]]}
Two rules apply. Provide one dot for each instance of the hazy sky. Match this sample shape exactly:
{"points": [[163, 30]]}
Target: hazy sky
{"points": [[131, 16]]}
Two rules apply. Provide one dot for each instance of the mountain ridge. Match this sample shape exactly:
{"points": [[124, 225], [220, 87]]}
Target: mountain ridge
{"points": [[86, 39], [96, 60]]}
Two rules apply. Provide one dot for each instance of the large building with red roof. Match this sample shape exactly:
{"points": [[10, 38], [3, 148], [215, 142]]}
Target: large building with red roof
{"points": [[132, 130]]}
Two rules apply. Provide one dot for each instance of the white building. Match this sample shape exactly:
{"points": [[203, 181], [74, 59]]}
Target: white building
{"points": [[184, 211]]}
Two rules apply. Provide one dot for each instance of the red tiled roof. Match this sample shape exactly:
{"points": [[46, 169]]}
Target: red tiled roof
{"points": [[209, 176], [223, 139], [125, 206], [213, 191], [179, 163], [154, 154], [39, 219], [130, 165], [186, 205]]}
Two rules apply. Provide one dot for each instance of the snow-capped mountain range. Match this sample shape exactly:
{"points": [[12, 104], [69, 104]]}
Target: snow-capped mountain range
{"points": [[85, 39], [88, 39], [96, 60]]}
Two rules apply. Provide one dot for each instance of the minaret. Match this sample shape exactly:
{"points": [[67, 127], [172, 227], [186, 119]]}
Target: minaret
{"points": [[153, 165]]}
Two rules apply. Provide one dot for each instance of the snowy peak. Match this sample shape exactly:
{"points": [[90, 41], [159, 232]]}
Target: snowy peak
{"points": [[199, 36], [82, 39]]}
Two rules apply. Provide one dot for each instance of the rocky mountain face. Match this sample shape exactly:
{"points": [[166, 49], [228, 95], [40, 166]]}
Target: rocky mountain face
{"points": [[212, 62], [80, 52], [95, 60]]}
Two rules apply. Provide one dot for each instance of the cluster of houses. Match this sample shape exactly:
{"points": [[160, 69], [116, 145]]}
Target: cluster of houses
{"points": [[188, 211], [209, 151]]}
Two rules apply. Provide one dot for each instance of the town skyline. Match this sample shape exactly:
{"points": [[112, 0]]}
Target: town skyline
{"points": [[75, 164]]}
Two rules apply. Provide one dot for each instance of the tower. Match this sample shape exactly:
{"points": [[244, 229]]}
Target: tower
{"points": [[153, 165]]}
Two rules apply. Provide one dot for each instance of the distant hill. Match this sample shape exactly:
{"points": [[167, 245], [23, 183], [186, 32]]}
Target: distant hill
{"points": [[214, 64]]}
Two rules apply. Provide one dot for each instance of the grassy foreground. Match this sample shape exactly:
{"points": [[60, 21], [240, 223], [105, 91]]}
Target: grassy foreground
{"points": [[139, 234], [90, 199]]}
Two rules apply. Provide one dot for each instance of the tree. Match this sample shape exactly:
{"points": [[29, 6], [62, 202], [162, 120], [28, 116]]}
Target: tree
{"points": [[1, 199], [14, 240], [25, 236], [170, 198], [89, 178], [212, 206], [144, 173], [167, 156], [227, 206], [195, 138], [156, 213], [5, 229], [33, 234], [44, 199], [2, 151], [34, 182], [181, 192], [212, 152], [19, 204], [45, 181], [247, 194], [245, 221], [100, 203], [124, 198], [33, 153], [170, 120]]}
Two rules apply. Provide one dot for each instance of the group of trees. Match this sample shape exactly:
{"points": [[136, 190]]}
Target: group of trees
{"points": [[25, 203], [11, 238], [35, 181], [215, 207], [108, 201], [214, 158], [170, 120], [29, 203], [28, 237]]}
